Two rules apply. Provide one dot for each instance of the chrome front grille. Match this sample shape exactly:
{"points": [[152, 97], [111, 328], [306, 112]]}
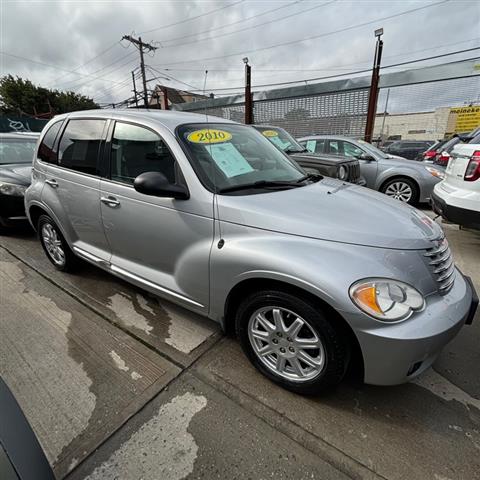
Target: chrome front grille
{"points": [[441, 263]]}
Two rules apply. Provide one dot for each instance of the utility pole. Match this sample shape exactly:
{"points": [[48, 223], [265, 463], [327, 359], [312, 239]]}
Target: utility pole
{"points": [[373, 95], [248, 93], [141, 48], [134, 88]]}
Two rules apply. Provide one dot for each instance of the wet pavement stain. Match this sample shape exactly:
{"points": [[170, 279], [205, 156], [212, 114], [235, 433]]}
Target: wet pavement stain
{"points": [[167, 449], [33, 344]]}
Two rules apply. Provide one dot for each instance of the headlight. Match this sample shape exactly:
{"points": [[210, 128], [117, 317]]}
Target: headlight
{"points": [[12, 189], [342, 172], [386, 300], [435, 172]]}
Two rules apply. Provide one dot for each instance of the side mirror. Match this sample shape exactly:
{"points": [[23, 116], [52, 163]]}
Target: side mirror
{"points": [[157, 185], [365, 156]]}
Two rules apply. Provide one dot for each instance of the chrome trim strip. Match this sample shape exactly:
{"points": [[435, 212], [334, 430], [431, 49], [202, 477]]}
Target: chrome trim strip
{"points": [[445, 266], [89, 256], [448, 284], [437, 251], [124, 273], [446, 275]]}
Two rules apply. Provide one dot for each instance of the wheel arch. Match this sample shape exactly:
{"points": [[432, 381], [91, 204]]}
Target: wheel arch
{"points": [[34, 213], [402, 176], [247, 286]]}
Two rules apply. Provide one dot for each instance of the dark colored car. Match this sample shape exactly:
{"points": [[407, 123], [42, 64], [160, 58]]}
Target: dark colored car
{"points": [[16, 157], [21, 457], [409, 149], [347, 169]]}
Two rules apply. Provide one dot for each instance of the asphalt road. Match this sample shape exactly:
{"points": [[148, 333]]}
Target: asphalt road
{"points": [[118, 384]]}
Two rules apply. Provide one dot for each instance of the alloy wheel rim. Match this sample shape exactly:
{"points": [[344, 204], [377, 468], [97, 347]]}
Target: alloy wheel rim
{"points": [[53, 244], [286, 344], [400, 191]]}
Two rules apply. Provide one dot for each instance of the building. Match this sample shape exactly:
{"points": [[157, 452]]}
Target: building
{"points": [[163, 97], [435, 125]]}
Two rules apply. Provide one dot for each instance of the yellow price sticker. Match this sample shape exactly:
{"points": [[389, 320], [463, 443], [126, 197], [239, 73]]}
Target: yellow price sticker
{"points": [[208, 135], [270, 133]]}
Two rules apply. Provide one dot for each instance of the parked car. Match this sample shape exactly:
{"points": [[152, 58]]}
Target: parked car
{"points": [[402, 179], [16, 157], [443, 154], [310, 272], [431, 153], [21, 456], [409, 149], [457, 198], [347, 169]]}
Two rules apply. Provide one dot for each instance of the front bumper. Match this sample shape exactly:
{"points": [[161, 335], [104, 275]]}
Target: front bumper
{"points": [[458, 215], [12, 210], [396, 353]]}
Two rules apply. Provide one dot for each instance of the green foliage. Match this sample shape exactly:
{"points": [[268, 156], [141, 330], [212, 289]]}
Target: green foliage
{"points": [[22, 97]]}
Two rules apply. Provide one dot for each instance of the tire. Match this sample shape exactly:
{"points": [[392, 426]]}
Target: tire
{"points": [[400, 188], [326, 365], [54, 245]]}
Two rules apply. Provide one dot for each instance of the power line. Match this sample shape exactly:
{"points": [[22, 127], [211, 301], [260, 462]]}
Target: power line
{"points": [[330, 68], [305, 80], [91, 60], [83, 83], [253, 26], [321, 35], [245, 19], [56, 67], [192, 18]]}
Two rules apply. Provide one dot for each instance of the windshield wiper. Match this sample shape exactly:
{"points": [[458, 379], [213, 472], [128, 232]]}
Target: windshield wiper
{"points": [[260, 184], [310, 176]]}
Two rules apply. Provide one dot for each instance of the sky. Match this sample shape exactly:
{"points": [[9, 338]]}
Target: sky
{"points": [[78, 46]]}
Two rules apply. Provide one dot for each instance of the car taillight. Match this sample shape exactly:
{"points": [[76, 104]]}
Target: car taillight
{"points": [[473, 169], [429, 154], [443, 159]]}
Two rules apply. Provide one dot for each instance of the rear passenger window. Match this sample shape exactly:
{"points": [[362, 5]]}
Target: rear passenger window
{"points": [[45, 151], [136, 150], [80, 145], [319, 147]]}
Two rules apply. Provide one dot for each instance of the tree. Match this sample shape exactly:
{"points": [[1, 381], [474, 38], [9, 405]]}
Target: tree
{"points": [[22, 97]]}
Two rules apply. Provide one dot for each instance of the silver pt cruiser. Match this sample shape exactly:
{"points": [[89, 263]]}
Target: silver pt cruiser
{"points": [[312, 274]]}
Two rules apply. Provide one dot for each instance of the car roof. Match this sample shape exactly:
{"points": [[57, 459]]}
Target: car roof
{"points": [[13, 135], [170, 119], [330, 137]]}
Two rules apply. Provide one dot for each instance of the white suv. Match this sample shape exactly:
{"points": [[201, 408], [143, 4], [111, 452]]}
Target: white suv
{"points": [[457, 197]]}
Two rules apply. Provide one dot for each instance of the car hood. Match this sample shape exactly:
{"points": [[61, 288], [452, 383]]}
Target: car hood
{"points": [[18, 173], [335, 211]]}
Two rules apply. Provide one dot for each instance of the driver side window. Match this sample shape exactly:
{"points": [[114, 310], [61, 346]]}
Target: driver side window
{"points": [[137, 150]]}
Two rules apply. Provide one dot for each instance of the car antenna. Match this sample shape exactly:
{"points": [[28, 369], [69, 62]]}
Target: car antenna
{"points": [[221, 242]]}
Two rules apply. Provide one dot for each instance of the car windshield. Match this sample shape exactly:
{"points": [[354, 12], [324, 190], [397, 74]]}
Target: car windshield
{"points": [[373, 150], [13, 150], [281, 139], [228, 156]]}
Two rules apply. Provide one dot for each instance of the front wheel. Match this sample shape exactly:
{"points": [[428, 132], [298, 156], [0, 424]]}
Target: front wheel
{"points": [[402, 189], [291, 341]]}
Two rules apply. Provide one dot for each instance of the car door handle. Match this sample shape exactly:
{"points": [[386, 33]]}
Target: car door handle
{"points": [[110, 201], [53, 183]]}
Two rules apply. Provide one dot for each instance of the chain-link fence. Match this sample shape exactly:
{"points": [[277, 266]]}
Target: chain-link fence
{"points": [[415, 103]]}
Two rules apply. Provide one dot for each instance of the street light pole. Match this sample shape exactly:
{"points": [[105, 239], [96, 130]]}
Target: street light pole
{"points": [[248, 93], [373, 95]]}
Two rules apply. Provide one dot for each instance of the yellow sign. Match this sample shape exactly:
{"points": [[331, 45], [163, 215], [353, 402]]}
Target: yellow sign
{"points": [[467, 118], [208, 135], [270, 133]]}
